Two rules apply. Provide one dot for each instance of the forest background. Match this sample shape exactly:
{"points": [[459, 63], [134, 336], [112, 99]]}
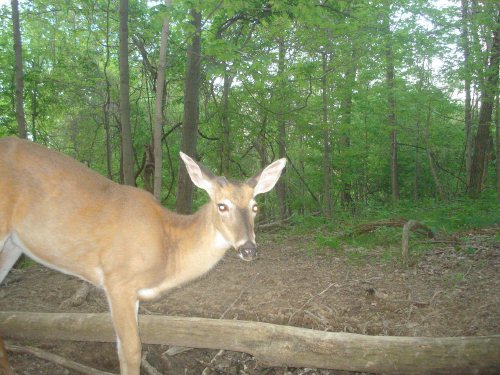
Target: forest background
{"points": [[382, 108]]}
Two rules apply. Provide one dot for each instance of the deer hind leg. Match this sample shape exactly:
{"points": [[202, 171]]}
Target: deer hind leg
{"points": [[124, 306], [9, 254]]}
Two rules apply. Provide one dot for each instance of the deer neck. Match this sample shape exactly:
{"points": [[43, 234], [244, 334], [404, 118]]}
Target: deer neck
{"points": [[196, 244]]}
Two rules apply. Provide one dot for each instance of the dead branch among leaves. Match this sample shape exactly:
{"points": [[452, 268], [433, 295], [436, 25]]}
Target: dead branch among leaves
{"points": [[69, 364]]}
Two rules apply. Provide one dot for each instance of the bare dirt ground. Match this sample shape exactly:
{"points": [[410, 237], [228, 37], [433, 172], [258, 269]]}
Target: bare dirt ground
{"points": [[449, 290]]}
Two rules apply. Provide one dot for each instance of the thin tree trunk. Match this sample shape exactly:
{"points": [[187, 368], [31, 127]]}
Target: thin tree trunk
{"points": [[191, 112], [158, 125], [327, 162], [422, 78], [417, 162], [34, 113], [435, 176], [391, 116], [226, 124], [497, 143], [303, 173], [281, 188], [488, 94], [18, 55], [127, 148], [346, 111], [467, 88], [259, 145], [365, 160], [107, 101]]}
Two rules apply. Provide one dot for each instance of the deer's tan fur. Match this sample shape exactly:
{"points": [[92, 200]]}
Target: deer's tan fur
{"points": [[70, 218]]}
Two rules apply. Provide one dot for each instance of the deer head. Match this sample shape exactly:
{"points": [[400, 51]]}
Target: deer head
{"points": [[233, 203]]}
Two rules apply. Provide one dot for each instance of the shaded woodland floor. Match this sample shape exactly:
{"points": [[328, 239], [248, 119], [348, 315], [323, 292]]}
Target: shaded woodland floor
{"points": [[450, 289]]}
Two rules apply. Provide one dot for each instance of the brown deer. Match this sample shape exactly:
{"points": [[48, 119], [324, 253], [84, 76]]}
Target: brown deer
{"points": [[70, 218]]}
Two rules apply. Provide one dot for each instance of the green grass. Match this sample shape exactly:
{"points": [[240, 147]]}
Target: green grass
{"points": [[331, 236], [25, 262], [456, 215]]}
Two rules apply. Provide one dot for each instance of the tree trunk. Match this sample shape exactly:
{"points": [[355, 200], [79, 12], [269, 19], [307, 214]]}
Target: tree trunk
{"points": [[276, 345], [107, 100], [497, 143], [467, 88], [365, 159], [18, 55], [346, 116], [435, 176], [391, 106], [281, 188], [327, 160], [149, 168], [191, 112], [394, 139], [158, 124], [488, 94], [417, 162], [259, 145], [126, 131], [303, 206], [34, 112], [226, 124]]}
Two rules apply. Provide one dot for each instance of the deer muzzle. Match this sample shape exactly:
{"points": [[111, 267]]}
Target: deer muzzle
{"points": [[248, 251]]}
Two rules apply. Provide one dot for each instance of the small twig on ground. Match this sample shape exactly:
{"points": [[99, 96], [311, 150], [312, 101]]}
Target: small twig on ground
{"points": [[468, 271], [309, 301], [320, 320], [236, 300], [174, 350], [78, 298], [432, 242], [220, 352], [411, 302], [436, 293], [211, 364], [56, 359], [147, 366]]}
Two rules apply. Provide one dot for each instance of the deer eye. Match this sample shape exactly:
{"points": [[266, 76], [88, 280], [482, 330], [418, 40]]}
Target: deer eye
{"points": [[255, 208], [222, 207]]}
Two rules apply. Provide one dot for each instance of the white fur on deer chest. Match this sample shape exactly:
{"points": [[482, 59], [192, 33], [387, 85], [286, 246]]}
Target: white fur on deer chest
{"points": [[195, 263]]}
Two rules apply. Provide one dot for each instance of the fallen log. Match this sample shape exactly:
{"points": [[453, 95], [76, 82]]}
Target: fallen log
{"points": [[392, 223], [275, 345]]}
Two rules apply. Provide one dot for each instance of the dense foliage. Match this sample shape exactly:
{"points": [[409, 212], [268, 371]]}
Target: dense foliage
{"points": [[308, 80]]}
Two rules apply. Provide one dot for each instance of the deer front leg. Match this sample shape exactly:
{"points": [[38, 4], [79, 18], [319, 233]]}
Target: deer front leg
{"points": [[4, 362], [124, 305]]}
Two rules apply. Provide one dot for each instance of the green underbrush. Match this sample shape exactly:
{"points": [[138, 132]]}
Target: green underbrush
{"points": [[338, 236]]}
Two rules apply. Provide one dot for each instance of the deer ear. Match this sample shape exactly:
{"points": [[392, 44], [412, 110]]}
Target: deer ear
{"points": [[199, 174], [266, 180]]}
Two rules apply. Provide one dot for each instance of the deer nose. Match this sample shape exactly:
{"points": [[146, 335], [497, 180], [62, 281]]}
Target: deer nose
{"points": [[248, 251]]}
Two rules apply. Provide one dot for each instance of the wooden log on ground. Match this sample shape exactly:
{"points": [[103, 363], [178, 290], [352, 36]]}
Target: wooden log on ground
{"points": [[392, 223], [276, 345]]}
